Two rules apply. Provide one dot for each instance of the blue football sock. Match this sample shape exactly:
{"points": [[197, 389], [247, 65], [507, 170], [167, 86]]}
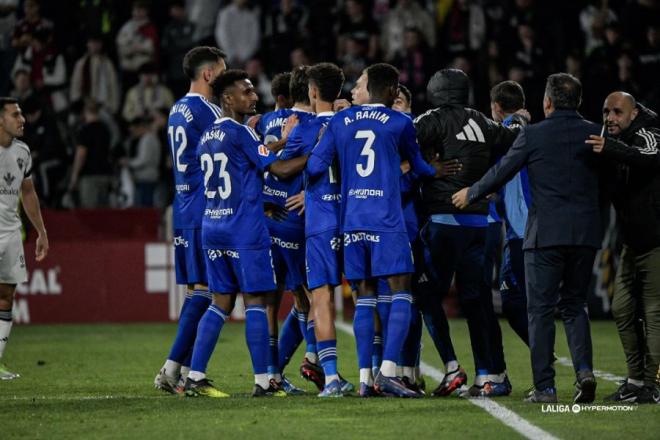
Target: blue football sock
{"points": [[377, 350], [310, 337], [192, 311], [273, 357], [383, 307], [290, 339], [363, 327], [302, 323], [188, 360], [410, 352], [398, 327], [256, 336], [207, 336], [328, 356]]}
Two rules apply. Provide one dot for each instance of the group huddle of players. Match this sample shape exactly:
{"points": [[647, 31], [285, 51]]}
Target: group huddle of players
{"points": [[289, 201]]}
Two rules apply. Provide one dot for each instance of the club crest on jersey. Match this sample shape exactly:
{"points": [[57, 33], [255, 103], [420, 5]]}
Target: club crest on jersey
{"points": [[263, 151], [9, 178], [20, 162]]}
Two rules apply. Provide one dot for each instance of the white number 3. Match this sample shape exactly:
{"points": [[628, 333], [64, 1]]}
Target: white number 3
{"points": [[370, 137]]}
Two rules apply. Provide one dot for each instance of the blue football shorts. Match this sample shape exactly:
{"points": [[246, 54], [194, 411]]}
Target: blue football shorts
{"points": [[376, 254], [323, 255], [240, 270], [189, 259], [288, 248]]}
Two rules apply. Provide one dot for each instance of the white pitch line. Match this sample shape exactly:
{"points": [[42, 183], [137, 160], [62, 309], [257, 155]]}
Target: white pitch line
{"points": [[501, 413], [566, 362], [77, 398]]}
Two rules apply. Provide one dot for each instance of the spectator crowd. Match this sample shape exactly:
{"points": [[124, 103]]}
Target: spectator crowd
{"points": [[96, 78]]}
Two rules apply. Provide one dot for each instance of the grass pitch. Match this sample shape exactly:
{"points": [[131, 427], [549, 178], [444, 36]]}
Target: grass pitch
{"points": [[95, 381]]}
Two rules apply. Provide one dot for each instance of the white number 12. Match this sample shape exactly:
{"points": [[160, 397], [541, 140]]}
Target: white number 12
{"points": [[178, 136]]}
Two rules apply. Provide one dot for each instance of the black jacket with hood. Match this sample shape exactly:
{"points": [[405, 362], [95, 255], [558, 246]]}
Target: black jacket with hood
{"points": [[452, 131], [637, 194]]}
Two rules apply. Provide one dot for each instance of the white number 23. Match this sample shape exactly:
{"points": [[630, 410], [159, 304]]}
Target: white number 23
{"points": [[224, 190]]}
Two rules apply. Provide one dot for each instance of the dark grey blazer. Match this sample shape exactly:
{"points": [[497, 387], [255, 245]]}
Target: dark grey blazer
{"points": [[563, 176]]}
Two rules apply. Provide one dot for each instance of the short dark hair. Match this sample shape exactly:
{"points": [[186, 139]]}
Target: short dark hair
{"points": [[406, 92], [227, 80], [329, 79], [380, 78], [279, 86], [199, 56], [5, 101], [509, 95], [298, 87], [564, 90]]}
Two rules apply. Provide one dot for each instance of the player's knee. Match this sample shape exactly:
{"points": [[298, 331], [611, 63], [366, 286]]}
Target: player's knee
{"points": [[225, 302], [399, 283], [322, 300], [255, 299], [7, 294], [301, 301]]}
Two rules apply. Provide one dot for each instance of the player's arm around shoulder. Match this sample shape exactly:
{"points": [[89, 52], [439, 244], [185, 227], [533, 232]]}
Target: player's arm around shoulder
{"points": [[323, 153], [30, 202]]}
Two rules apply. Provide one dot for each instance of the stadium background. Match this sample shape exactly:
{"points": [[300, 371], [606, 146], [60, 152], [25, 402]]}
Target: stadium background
{"points": [[111, 263], [46, 55]]}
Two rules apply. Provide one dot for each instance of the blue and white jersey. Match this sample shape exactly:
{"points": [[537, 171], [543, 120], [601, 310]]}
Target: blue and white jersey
{"points": [[369, 141], [233, 160], [277, 190], [517, 198], [410, 198], [189, 117], [322, 192]]}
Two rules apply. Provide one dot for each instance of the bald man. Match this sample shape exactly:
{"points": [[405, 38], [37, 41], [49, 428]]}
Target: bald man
{"points": [[632, 142]]}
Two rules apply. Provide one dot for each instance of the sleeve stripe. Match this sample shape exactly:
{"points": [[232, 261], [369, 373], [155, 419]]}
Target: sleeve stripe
{"points": [[214, 108], [651, 143], [254, 135], [420, 117]]}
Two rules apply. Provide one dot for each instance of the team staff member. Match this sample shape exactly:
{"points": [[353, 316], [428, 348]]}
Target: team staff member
{"points": [[562, 233], [456, 239], [635, 135]]}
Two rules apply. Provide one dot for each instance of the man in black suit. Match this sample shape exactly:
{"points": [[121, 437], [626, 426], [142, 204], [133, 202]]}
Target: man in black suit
{"points": [[562, 232]]}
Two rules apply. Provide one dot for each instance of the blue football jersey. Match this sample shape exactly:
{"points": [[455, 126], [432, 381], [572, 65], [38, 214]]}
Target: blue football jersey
{"points": [[517, 198], [233, 160], [322, 192], [409, 199], [369, 141], [189, 117], [277, 190]]}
